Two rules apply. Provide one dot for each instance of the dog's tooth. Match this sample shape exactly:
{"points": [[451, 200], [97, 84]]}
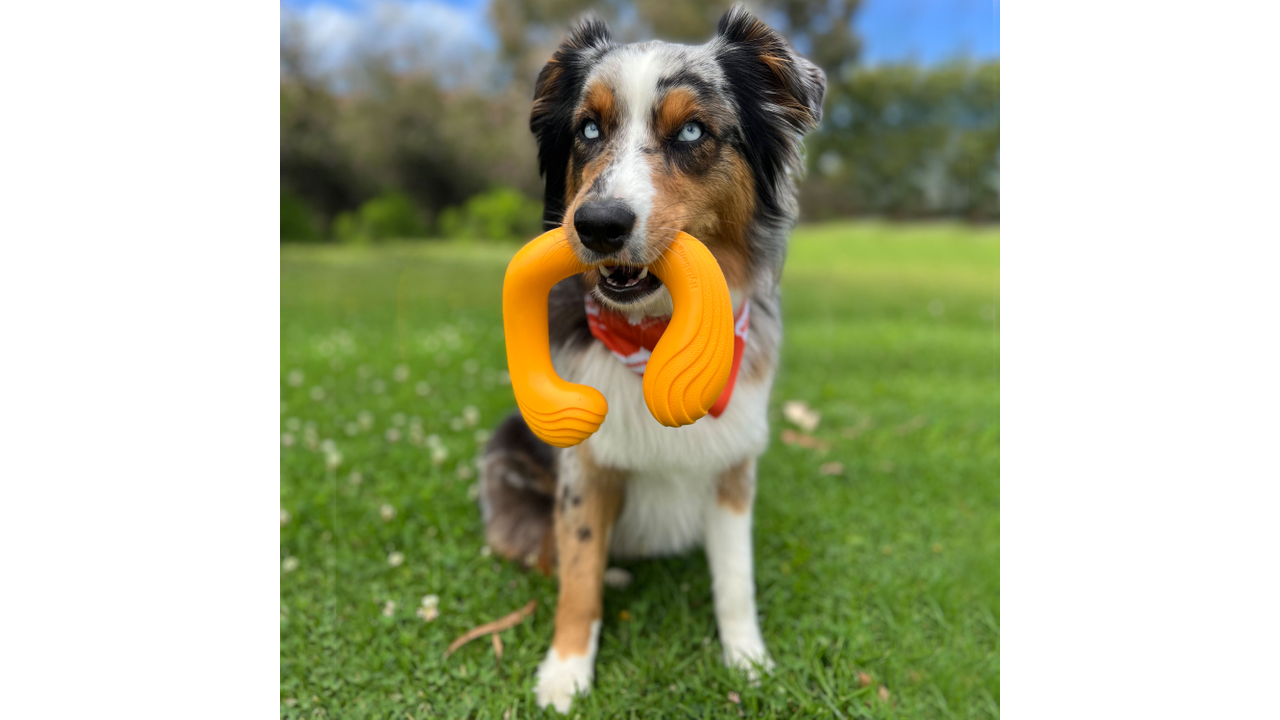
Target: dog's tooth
{"points": [[643, 274], [605, 271]]}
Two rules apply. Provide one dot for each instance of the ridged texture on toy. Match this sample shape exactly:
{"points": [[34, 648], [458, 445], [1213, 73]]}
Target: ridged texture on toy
{"points": [[561, 413], [691, 363]]}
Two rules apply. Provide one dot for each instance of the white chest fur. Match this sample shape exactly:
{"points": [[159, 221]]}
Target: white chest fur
{"points": [[673, 470]]}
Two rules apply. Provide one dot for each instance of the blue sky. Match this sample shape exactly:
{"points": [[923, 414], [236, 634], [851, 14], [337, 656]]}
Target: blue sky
{"points": [[926, 31]]}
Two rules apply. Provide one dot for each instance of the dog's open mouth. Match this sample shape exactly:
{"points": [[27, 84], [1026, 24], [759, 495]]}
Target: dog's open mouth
{"points": [[625, 284]]}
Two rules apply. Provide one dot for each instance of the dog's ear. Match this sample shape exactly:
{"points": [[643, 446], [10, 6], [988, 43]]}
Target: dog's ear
{"points": [[779, 98], [554, 96], [753, 56]]}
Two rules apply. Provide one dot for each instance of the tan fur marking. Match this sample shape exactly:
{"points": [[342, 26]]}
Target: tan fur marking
{"points": [[584, 516], [678, 107], [575, 191], [716, 208], [736, 488], [601, 103]]}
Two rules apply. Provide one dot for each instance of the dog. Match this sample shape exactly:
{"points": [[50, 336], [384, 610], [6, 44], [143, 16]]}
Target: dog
{"points": [[637, 142]]}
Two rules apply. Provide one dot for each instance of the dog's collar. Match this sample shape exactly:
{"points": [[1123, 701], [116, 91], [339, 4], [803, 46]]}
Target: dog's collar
{"points": [[632, 343]]}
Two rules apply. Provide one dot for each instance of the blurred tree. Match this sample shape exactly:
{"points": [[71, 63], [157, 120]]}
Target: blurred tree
{"points": [[529, 30], [313, 164], [907, 141]]}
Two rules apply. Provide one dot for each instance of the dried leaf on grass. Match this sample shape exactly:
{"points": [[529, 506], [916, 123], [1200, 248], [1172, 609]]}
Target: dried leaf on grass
{"points": [[798, 413], [497, 646], [496, 626], [791, 437]]}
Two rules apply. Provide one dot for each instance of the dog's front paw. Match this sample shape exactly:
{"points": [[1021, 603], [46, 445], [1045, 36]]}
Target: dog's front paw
{"points": [[559, 680], [749, 657]]}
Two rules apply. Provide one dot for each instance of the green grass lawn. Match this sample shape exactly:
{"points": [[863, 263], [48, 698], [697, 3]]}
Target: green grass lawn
{"points": [[888, 573]]}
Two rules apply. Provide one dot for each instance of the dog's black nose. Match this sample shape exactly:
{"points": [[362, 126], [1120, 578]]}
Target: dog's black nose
{"points": [[604, 225]]}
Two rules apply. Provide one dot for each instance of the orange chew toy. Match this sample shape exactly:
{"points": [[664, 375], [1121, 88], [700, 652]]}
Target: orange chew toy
{"points": [[685, 374]]}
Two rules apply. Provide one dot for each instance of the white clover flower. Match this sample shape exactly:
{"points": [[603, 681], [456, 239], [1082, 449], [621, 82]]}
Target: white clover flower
{"points": [[356, 478], [328, 445], [293, 424], [285, 517], [465, 472], [430, 609], [296, 377], [433, 440], [473, 490], [389, 608], [423, 388], [439, 454], [393, 435], [470, 366], [456, 424], [378, 386], [317, 393], [351, 429], [482, 436], [387, 512], [287, 440], [398, 419], [395, 559], [401, 373], [471, 415], [333, 460], [365, 418], [290, 564]]}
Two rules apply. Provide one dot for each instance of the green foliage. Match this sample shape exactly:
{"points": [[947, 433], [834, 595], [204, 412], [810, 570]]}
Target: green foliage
{"points": [[907, 141], [393, 371], [499, 214], [391, 216], [296, 221]]}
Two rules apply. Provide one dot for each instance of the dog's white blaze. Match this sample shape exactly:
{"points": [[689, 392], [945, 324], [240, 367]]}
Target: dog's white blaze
{"points": [[629, 177]]}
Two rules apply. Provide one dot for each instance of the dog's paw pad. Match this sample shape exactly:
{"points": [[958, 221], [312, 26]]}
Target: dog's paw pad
{"points": [[559, 680]]}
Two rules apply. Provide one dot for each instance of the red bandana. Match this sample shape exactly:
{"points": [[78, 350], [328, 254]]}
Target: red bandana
{"points": [[632, 343]]}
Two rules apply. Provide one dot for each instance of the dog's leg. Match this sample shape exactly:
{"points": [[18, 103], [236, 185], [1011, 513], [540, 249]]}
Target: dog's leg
{"points": [[728, 543], [587, 503]]}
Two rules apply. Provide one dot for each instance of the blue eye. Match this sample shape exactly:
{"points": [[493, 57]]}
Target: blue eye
{"points": [[590, 131], [690, 132]]}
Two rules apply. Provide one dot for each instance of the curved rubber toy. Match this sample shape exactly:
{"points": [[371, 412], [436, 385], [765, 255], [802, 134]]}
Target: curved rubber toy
{"points": [[686, 372], [691, 363], [560, 412]]}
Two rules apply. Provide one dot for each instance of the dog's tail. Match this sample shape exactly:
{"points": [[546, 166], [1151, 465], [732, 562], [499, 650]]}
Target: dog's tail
{"points": [[517, 494]]}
